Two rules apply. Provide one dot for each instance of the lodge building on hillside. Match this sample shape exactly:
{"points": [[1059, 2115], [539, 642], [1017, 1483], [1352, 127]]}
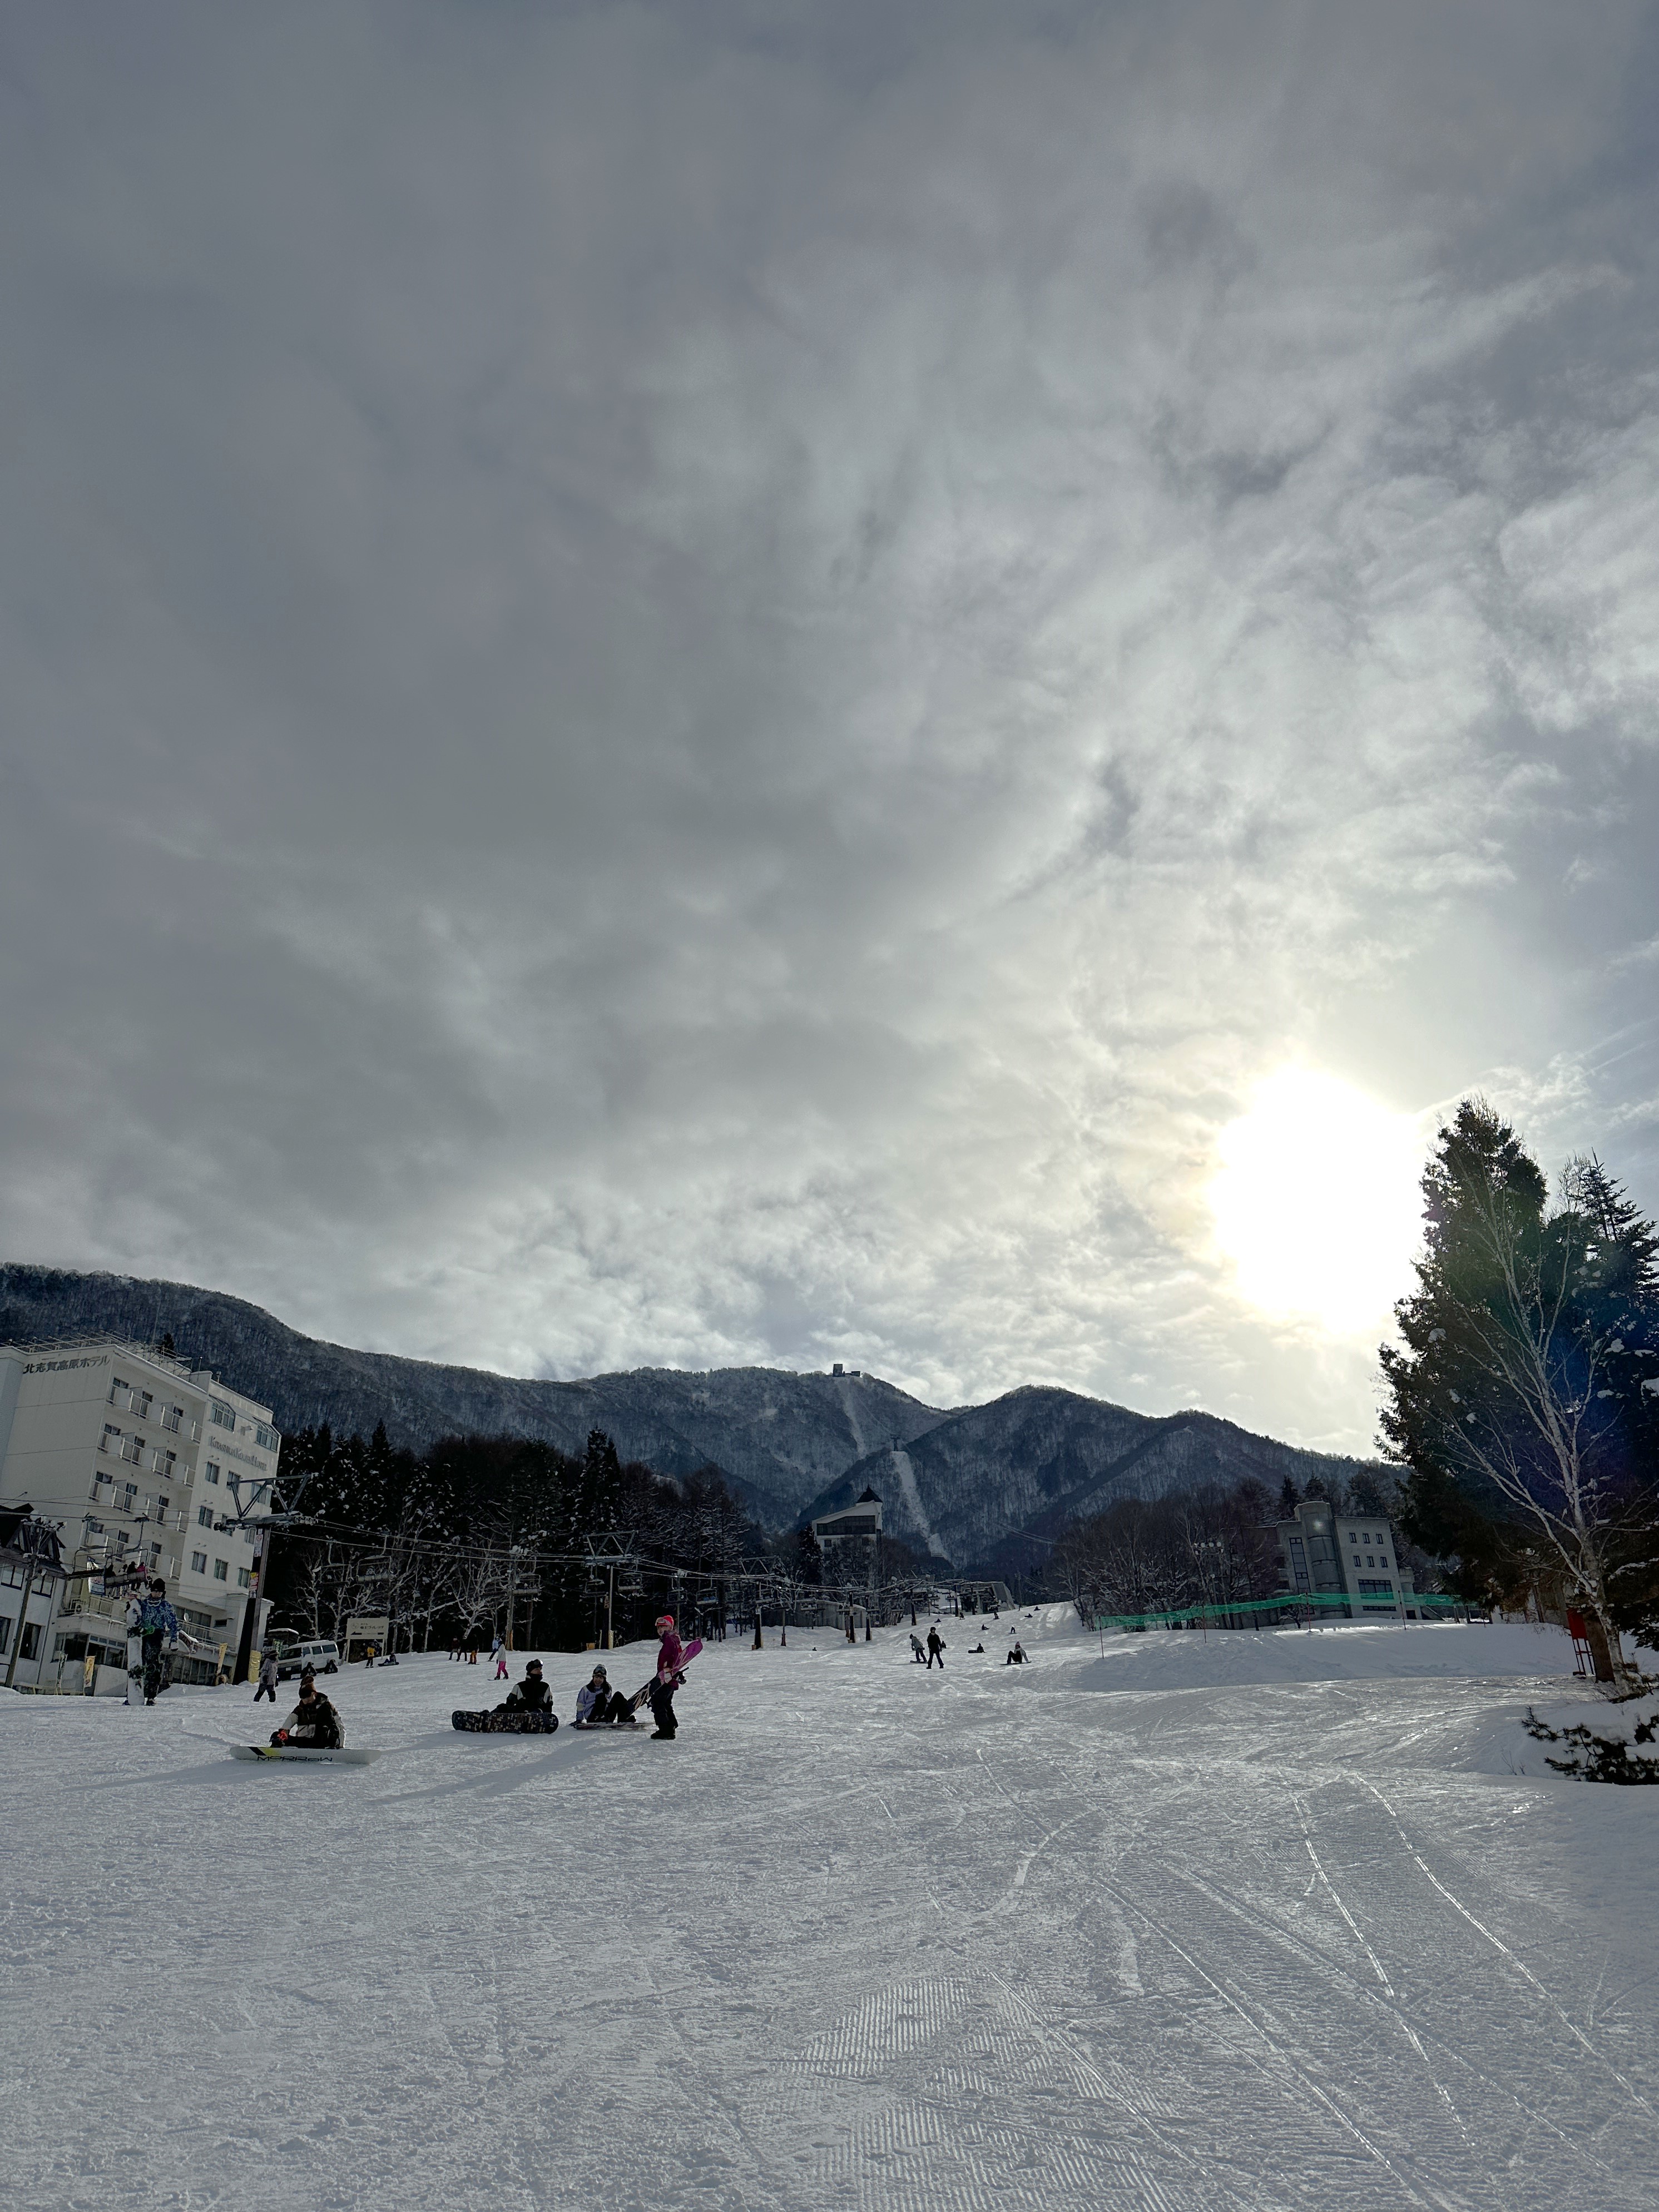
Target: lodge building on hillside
{"points": [[1323, 1553], [141, 1462]]}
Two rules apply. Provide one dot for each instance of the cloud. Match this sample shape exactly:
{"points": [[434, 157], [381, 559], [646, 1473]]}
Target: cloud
{"points": [[701, 687]]}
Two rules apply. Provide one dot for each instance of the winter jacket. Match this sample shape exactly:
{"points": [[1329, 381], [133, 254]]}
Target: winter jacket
{"points": [[318, 1729], [530, 1696], [935, 1641], [669, 1657], [157, 1618], [268, 1671], [588, 1696]]}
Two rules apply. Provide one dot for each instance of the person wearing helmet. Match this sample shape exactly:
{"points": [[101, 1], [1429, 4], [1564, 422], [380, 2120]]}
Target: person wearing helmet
{"points": [[597, 1703], [530, 1696], [158, 1627], [669, 1678]]}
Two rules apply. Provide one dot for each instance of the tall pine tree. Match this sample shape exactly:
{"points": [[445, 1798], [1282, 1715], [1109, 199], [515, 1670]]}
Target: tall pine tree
{"points": [[1517, 1401]]}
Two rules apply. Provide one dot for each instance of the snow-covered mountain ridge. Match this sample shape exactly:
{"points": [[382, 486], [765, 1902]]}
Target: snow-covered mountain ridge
{"points": [[978, 1484]]}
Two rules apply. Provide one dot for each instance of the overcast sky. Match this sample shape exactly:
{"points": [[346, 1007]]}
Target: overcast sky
{"points": [[697, 684]]}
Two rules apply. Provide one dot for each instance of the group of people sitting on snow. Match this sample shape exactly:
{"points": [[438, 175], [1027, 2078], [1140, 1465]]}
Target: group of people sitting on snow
{"points": [[597, 1705]]}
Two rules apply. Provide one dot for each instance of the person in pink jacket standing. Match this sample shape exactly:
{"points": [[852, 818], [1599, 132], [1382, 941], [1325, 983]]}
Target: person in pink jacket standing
{"points": [[668, 1681]]}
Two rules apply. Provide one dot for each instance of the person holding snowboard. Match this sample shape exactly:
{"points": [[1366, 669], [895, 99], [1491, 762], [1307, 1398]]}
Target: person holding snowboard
{"points": [[313, 1725], [935, 1649], [669, 1678], [598, 1703], [267, 1677], [158, 1627]]}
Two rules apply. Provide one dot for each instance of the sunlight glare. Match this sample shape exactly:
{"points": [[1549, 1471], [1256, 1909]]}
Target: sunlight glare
{"points": [[1317, 1202]]}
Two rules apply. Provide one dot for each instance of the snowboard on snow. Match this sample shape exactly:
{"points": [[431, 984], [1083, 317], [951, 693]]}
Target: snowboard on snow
{"points": [[494, 1723], [340, 1757], [687, 1654]]}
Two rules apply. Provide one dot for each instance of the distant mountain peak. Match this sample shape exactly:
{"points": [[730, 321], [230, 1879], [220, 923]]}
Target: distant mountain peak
{"points": [[978, 1486]]}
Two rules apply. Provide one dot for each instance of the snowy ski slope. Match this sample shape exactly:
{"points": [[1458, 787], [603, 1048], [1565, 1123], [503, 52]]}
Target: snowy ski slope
{"points": [[1248, 1922]]}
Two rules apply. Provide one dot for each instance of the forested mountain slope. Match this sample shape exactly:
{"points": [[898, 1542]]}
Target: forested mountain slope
{"points": [[780, 1436], [989, 1487], [984, 1487]]}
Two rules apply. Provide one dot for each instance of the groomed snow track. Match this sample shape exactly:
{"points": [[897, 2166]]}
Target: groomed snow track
{"points": [[1126, 1933]]}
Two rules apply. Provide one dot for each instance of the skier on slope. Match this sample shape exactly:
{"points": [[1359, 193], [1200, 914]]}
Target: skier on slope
{"points": [[669, 1678], [158, 1627], [313, 1725]]}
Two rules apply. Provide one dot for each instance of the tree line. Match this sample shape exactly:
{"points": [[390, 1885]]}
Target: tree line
{"points": [[485, 1535]]}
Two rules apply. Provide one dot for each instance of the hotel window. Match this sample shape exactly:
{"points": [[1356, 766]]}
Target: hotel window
{"points": [[210, 1470], [224, 1418], [204, 1517], [198, 1562], [243, 1579], [222, 1570], [265, 1436], [171, 1417], [111, 1439]]}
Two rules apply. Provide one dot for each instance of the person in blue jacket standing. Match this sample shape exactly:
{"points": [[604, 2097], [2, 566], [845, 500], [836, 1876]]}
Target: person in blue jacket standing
{"points": [[158, 1627]]}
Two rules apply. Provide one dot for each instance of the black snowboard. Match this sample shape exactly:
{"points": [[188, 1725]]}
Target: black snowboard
{"points": [[493, 1723]]}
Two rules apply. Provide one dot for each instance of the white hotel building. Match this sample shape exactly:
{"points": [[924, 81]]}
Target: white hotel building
{"points": [[136, 1458]]}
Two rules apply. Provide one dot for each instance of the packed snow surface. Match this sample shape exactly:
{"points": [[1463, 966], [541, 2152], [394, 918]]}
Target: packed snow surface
{"points": [[1248, 1921]]}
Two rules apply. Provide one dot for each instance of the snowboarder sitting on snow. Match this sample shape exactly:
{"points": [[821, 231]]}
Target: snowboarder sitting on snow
{"points": [[1016, 1657], [669, 1678], [530, 1696], [313, 1725], [596, 1701], [916, 1652], [973, 1648], [935, 1649], [158, 1625]]}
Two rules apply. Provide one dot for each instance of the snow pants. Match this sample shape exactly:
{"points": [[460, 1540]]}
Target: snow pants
{"points": [[155, 1668], [940, 1656], [662, 1707]]}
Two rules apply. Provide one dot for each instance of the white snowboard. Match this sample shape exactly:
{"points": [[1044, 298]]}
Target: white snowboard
{"points": [[341, 1757]]}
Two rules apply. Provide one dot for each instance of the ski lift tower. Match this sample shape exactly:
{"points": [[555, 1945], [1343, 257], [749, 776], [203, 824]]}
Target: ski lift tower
{"points": [[611, 1553]]}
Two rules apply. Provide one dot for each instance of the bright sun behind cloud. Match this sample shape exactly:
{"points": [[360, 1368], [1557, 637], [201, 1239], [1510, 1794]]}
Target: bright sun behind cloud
{"points": [[1316, 1203]]}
